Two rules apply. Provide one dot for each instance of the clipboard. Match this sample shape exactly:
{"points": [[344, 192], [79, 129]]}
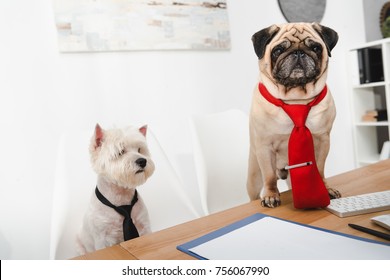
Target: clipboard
{"points": [[260, 236]]}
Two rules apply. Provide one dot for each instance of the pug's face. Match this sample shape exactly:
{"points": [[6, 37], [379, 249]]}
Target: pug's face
{"points": [[293, 57]]}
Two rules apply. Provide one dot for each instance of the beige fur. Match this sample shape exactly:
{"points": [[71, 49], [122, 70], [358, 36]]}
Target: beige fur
{"points": [[113, 157], [270, 126]]}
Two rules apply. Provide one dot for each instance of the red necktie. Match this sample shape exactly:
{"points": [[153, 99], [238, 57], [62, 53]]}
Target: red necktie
{"points": [[308, 188]]}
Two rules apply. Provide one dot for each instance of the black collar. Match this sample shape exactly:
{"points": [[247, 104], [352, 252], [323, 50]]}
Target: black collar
{"points": [[129, 229]]}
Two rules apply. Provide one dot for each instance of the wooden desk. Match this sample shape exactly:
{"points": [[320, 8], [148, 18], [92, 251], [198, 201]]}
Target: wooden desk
{"points": [[162, 244]]}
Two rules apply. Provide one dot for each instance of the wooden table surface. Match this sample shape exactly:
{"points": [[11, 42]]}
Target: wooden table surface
{"points": [[162, 244]]}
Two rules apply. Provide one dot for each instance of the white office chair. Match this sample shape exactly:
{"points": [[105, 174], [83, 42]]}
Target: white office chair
{"points": [[221, 149], [75, 182]]}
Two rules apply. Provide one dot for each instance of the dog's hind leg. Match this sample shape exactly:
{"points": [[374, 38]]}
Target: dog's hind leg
{"points": [[282, 174], [254, 180], [80, 248]]}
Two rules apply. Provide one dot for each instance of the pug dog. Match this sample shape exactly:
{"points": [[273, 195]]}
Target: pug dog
{"points": [[293, 63]]}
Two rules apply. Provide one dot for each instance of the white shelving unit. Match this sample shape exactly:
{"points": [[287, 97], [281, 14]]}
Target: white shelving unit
{"points": [[369, 96]]}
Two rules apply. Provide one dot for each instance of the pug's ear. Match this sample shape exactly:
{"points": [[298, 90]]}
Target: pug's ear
{"points": [[328, 35], [262, 38]]}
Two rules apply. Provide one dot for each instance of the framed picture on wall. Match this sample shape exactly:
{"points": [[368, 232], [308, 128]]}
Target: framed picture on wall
{"points": [[120, 25]]}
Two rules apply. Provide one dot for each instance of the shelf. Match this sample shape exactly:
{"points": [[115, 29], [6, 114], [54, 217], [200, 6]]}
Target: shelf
{"points": [[368, 160], [383, 123], [377, 43], [369, 136], [370, 85]]}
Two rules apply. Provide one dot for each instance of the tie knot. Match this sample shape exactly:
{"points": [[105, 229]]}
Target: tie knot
{"points": [[297, 113]]}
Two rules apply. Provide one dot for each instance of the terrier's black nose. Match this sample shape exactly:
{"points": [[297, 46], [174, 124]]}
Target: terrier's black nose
{"points": [[141, 162]]}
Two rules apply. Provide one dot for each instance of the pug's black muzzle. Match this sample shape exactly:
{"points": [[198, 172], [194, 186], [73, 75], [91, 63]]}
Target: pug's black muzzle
{"points": [[296, 69]]}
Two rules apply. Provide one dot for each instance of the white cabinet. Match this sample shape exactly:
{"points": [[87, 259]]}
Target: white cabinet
{"points": [[370, 92]]}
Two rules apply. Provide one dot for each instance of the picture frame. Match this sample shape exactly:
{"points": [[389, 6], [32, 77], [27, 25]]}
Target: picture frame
{"points": [[122, 25]]}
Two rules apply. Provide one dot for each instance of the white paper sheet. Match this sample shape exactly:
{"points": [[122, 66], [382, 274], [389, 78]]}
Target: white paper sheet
{"points": [[274, 239]]}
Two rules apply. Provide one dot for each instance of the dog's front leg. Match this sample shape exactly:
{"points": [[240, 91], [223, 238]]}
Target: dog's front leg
{"points": [[101, 242], [321, 151], [269, 194]]}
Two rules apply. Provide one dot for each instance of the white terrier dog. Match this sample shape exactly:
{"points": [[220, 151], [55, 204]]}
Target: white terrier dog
{"points": [[122, 161]]}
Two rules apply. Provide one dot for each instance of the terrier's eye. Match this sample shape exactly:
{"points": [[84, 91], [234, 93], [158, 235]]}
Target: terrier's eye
{"points": [[139, 150], [121, 152]]}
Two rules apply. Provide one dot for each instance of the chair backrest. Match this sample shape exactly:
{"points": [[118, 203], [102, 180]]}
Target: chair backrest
{"points": [[74, 184], [221, 149], [168, 204], [75, 181]]}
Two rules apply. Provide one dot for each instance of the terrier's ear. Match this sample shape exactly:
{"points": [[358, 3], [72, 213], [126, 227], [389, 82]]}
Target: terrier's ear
{"points": [[143, 130], [98, 136]]}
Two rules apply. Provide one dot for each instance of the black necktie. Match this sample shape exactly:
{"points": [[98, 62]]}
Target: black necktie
{"points": [[129, 229]]}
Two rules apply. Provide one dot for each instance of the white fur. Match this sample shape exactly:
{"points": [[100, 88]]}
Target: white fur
{"points": [[113, 154]]}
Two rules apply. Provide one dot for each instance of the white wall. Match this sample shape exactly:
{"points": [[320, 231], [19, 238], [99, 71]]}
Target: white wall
{"points": [[44, 92]]}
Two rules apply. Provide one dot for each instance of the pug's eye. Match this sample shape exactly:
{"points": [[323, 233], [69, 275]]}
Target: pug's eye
{"points": [[316, 48], [276, 52]]}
